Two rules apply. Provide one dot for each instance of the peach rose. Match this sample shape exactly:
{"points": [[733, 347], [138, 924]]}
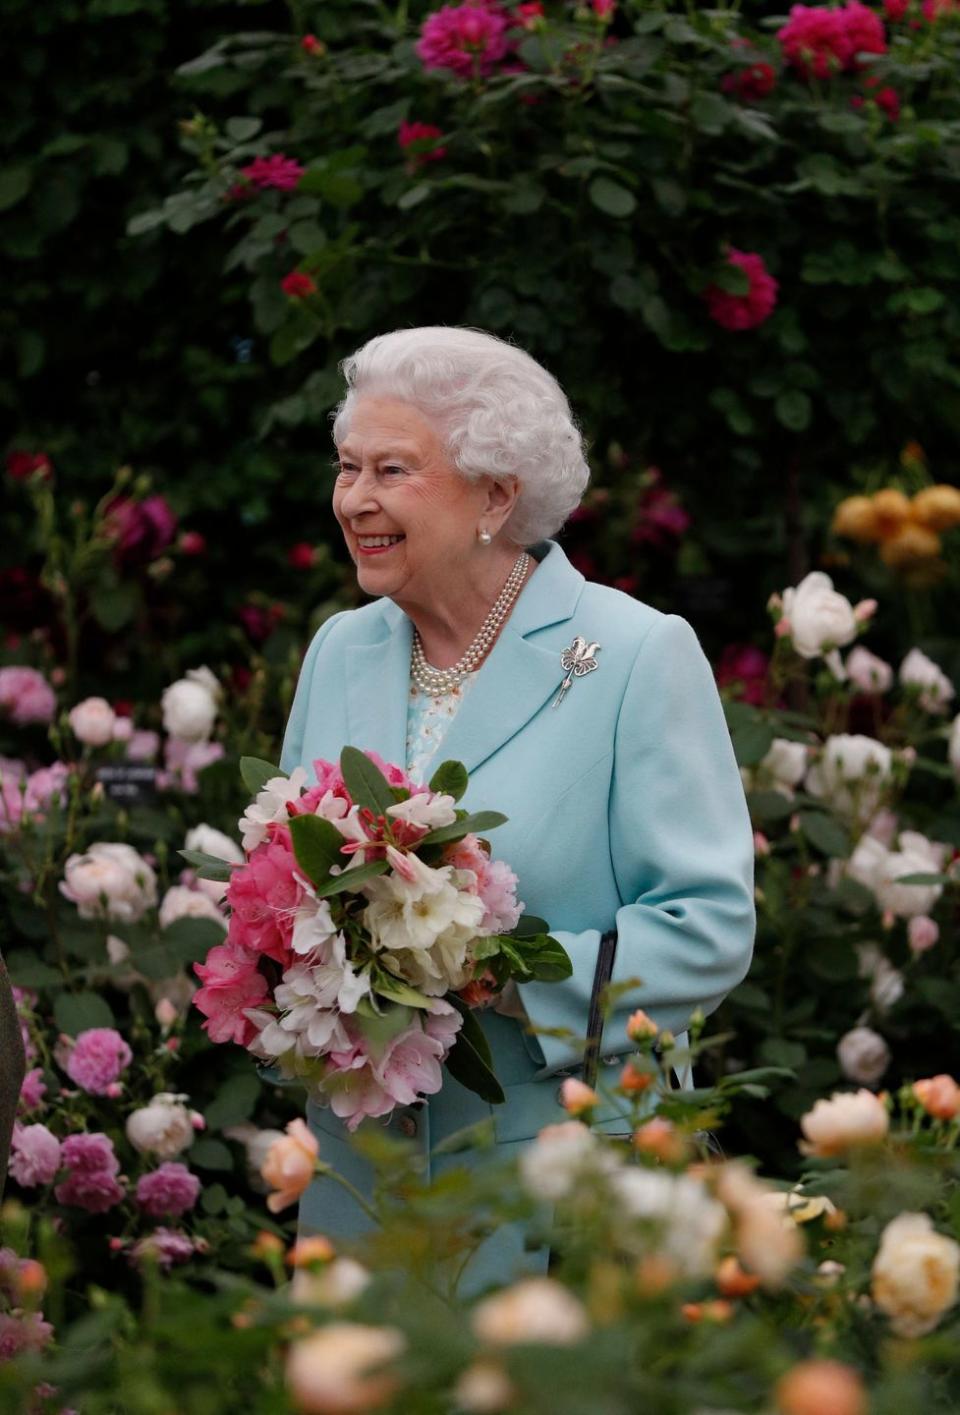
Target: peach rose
{"points": [[847, 1119], [289, 1165], [536, 1309], [339, 1369], [576, 1098], [939, 1096], [821, 1388], [915, 1274]]}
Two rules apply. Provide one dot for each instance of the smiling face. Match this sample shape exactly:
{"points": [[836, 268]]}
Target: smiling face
{"points": [[409, 519]]}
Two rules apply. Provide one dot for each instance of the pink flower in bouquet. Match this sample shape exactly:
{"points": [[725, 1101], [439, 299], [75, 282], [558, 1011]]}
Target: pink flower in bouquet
{"points": [[164, 1246], [25, 1332], [277, 171], [140, 530], [816, 41], [168, 1191], [92, 1182], [422, 137], [34, 1155], [496, 884], [231, 984], [44, 786], [739, 312], [263, 896], [467, 39], [96, 1060], [26, 696], [32, 1091]]}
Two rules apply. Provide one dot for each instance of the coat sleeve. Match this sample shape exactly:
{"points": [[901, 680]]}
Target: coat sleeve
{"points": [[682, 853], [293, 737]]}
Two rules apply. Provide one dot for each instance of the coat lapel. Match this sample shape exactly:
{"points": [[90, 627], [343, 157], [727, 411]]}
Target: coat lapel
{"points": [[378, 684]]}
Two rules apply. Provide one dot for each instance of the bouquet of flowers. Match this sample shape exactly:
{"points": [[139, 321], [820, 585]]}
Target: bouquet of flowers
{"points": [[366, 925]]}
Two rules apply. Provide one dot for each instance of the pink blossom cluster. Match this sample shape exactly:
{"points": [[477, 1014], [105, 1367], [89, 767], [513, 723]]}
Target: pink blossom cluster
{"points": [[495, 883], [469, 40], [168, 1191], [23, 1331], [739, 312], [93, 1182], [96, 1060], [277, 171], [819, 42], [26, 696], [29, 797]]}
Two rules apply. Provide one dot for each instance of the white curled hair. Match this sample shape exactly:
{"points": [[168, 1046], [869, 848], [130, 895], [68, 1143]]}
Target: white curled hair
{"points": [[499, 413]]}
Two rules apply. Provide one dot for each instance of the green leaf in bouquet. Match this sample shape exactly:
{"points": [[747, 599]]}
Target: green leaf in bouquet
{"points": [[518, 964], [450, 779], [528, 926], [472, 1030], [351, 880], [208, 866], [546, 959], [256, 773], [386, 985], [488, 947], [75, 1012], [365, 781], [317, 846], [467, 1066], [465, 825]]}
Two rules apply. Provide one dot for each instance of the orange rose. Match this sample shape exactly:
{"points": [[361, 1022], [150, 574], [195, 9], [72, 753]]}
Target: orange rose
{"points": [[892, 511], [939, 1096], [821, 1388], [856, 518], [289, 1165], [937, 507], [911, 545]]}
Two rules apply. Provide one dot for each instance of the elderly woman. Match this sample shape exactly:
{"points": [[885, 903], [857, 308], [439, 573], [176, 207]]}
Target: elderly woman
{"points": [[458, 459]]}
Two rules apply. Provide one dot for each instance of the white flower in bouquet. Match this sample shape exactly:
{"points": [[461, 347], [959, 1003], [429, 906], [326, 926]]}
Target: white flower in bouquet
{"points": [[562, 1158], [953, 746], [213, 842], [868, 672], [92, 722], [340, 1368], [190, 706], [918, 671], [863, 1055], [326, 980], [424, 923], [537, 1311], [690, 1222], [182, 903], [867, 863], [819, 618], [847, 1120], [164, 1127], [313, 925], [915, 1274], [110, 881], [270, 805], [852, 774], [426, 811]]}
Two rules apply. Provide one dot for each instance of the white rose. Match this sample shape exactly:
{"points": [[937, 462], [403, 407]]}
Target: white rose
{"points": [[561, 1157], [916, 856], [337, 1284], [867, 863], [110, 881], [847, 1119], [867, 672], [820, 617], [536, 1310], [852, 774], [863, 1055], [189, 709], [182, 903], [691, 1221], [784, 765], [92, 722], [163, 1128], [915, 1274], [918, 671], [886, 985], [340, 1368], [953, 746]]}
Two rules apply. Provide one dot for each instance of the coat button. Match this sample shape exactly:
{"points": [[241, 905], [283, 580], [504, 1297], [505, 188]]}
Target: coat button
{"points": [[612, 1060], [407, 1125]]}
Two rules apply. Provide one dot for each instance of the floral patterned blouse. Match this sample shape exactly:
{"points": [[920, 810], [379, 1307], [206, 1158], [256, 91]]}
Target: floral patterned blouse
{"points": [[429, 716]]}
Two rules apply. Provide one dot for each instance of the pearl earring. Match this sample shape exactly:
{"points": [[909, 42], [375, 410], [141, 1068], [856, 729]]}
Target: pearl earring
{"points": [[484, 537]]}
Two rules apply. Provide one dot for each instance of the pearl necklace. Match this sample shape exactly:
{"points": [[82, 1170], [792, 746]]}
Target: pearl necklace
{"points": [[441, 680]]}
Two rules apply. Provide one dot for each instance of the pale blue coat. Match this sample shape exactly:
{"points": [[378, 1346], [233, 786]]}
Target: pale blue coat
{"points": [[625, 807]]}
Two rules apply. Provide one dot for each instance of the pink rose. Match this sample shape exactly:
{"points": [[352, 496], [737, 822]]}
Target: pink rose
{"points": [[165, 1247], [467, 39], [419, 143], [142, 746], [34, 1155], [184, 761], [170, 1190], [92, 1182], [922, 933], [93, 722], [32, 1091], [816, 41], [231, 984], [26, 696], [739, 312], [97, 1058]]}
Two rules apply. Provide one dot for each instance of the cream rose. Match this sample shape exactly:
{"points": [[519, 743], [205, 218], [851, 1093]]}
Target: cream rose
{"points": [[339, 1369], [182, 903], [868, 672], [852, 774], [537, 1310], [863, 1055], [820, 618], [784, 766], [936, 690], [164, 1127], [915, 1274], [916, 856], [335, 1284], [110, 881], [846, 1120], [560, 1157], [92, 722], [190, 706]]}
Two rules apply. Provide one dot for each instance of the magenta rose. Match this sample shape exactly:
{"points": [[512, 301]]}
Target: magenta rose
{"points": [[278, 171], [140, 530], [466, 39], [168, 1191], [92, 1181], [96, 1060], [747, 311]]}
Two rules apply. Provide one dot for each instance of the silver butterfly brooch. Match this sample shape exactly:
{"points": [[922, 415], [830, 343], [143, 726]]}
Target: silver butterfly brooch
{"points": [[576, 661]]}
